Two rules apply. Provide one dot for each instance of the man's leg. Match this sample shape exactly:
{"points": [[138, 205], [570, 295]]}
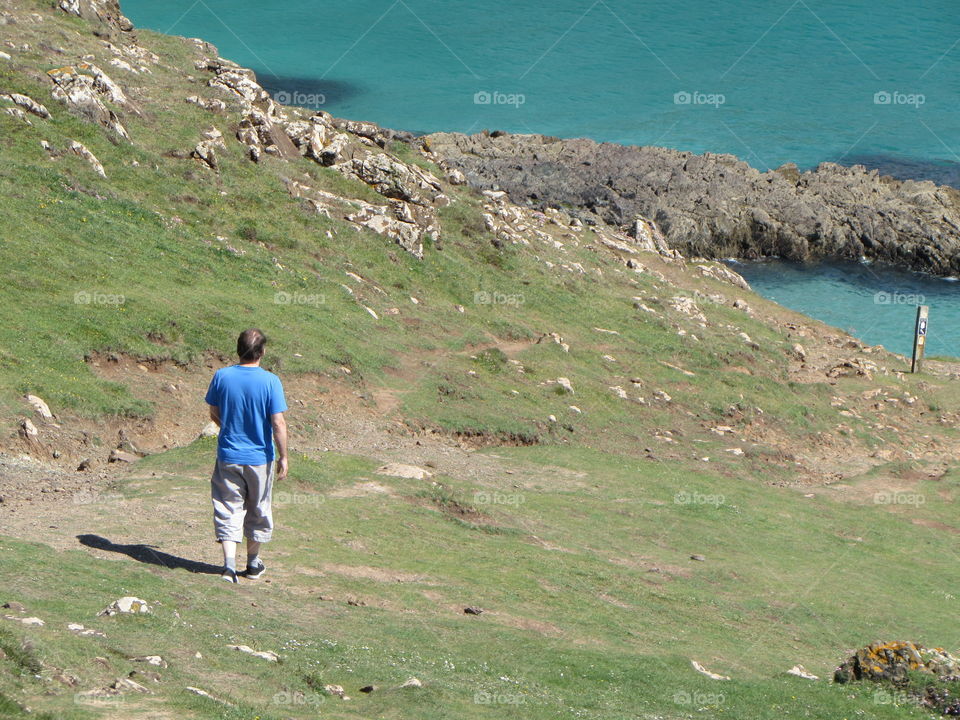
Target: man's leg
{"points": [[227, 491], [253, 554], [258, 520], [229, 554]]}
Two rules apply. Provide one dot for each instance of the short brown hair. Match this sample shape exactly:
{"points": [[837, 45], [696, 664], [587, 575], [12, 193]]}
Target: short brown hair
{"points": [[250, 345]]}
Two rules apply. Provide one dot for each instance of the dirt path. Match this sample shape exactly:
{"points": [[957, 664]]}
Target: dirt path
{"points": [[335, 414]]}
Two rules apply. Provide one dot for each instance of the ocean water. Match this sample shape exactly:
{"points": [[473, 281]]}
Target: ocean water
{"points": [[771, 81], [879, 306]]}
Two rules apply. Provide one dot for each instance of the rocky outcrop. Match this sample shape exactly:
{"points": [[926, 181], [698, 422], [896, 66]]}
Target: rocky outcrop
{"points": [[912, 674], [393, 179], [404, 223], [105, 12], [205, 150], [311, 137], [352, 148], [716, 205], [261, 126], [84, 88], [80, 149], [240, 82], [892, 661], [211, 104], [28, 104]]}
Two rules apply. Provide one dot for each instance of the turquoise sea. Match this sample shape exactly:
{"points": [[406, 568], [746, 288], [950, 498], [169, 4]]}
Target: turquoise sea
{"points": [[771, 81]]}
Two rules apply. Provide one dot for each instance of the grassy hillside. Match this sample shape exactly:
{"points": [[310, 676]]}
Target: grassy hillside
{"points": [[707, 492]]}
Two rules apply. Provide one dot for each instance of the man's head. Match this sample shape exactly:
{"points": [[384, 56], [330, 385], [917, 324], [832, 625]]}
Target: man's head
{"points": [[250, 345]]}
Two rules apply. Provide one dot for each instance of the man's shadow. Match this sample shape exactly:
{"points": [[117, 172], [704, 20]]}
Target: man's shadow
{"points": [[148, 554]]}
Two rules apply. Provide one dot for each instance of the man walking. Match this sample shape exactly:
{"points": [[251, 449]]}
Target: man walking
{"points": [[247, 403]]}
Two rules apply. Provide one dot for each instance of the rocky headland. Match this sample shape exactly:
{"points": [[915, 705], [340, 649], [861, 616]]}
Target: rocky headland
{"points": [[717, 205]]}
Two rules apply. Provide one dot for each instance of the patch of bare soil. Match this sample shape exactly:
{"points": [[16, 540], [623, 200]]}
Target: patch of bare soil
{"points": [[452, 508], [368, 572], [650, 565], [933, 524], [362, 488]]}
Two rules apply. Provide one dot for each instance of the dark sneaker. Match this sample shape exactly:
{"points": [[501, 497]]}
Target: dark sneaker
{"points": [[229, 575], [252, 573]]}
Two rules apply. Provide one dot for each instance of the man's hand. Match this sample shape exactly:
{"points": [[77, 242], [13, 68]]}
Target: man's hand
{"points": [[280, 438]]}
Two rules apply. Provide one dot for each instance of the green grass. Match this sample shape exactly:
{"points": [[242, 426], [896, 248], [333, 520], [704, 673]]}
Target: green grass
{"points": [[561, 567]]}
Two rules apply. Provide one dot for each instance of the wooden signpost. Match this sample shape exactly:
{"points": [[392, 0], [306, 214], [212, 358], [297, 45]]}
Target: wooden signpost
{"points": [[919, 337]]}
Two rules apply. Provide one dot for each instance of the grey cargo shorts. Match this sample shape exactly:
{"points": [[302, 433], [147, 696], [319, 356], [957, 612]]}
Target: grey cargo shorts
{"points": [[241, 501]]}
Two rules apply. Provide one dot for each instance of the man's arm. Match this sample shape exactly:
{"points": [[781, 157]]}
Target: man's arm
{"points": [[215, 414], [279, 423]]}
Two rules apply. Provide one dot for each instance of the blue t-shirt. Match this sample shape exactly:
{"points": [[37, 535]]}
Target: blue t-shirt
{"points": [[247, 397]]}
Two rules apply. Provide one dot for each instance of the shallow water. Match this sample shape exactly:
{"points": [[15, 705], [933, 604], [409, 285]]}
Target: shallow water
{"points": [[879, 306]]}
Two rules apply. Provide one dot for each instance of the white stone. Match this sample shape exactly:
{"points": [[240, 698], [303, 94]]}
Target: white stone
{"points": [[84, 631], [409, 472], [154, 660], [81, 150], [262, 654], [801, 671], [34, 621], [126, 605], [703, 671], [40, 406]]}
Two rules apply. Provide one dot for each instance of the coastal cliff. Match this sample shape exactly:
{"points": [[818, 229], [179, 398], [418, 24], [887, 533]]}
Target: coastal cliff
{"points": [[717, 205]]}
